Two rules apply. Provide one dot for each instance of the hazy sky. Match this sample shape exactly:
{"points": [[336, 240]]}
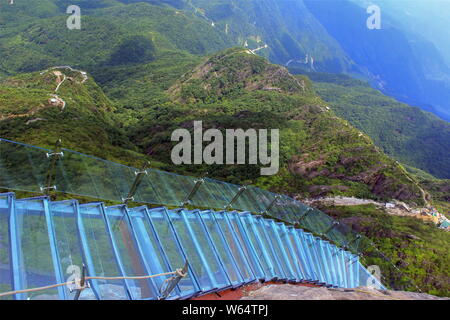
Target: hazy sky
{"points": [[429, 18]]}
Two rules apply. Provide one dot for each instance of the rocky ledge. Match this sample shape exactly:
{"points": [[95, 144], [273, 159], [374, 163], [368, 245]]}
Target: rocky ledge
{"points": [[295, 292]]}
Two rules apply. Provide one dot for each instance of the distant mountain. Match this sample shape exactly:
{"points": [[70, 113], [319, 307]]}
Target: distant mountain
{"points": [[320, 36], [409, 134], [136, 51], [61, 103], [320, 153], [141, 69], [424, 17], [406, 59], [401, 63]]}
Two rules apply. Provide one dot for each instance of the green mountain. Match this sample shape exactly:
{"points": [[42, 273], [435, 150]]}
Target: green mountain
{"points": [[150, 67], [78, 112], [399, 61], [321, 153], [141, 53], [410, 135]]}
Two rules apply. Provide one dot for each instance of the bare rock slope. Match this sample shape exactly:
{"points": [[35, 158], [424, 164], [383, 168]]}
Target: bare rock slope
{"points": [[293, 292]]}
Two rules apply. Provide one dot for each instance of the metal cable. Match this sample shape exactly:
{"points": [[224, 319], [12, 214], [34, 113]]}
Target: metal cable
{"points": [[178, 272]]}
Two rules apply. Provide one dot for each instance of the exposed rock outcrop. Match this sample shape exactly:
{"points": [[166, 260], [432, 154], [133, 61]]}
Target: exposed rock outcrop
{"points": [[293, 292]]}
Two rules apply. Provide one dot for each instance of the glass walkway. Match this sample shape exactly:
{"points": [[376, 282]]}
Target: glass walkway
{"points": [[43, 243]]}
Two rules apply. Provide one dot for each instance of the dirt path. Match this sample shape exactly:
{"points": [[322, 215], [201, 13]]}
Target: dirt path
{"points": [[58, 74]]}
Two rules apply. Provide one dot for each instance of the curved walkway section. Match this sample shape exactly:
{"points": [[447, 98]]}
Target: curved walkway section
{"points": [[43, 243]]}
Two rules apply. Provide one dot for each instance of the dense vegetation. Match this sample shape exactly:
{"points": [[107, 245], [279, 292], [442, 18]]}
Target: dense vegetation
{"points": [[157, 66], [320, 153], [417, 249], [410, 135]]}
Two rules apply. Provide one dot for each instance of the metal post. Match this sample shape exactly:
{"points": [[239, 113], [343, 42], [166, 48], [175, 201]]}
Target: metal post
{"points": [[194, 190], [270, 206], [173, 282], [335, 223], [304, 215], [240, 192], [358, 236], [136, 183], [50, 179], [82, 284]]}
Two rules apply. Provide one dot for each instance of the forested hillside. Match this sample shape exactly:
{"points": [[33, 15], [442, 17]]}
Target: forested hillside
{"points": [[141, 69], [408, 134]]}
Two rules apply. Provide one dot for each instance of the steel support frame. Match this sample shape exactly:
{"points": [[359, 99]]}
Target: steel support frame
{"points": [[270, 274], [212, 278], [165, 216], [275, 261], [225, 244], [249, 244], [295, 268], [127, 221], [238, 245], [290, 273]]}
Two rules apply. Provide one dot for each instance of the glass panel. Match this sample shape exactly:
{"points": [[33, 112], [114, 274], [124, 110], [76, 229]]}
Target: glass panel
{"points": [[23, 167], [260, 248], [130, 254], [246, 244], [153, 254], [73, 175], [85, 175], [341, 259], [103, 179], [214, 194], [316, 221], [366, 279], [147, 191], [252, 200], [264, 197], [237, 247], [315, 246], [68, 244], [349, 258], [280, 250], [174, 251], [300, 256], [303, 246], [291, 254], [323, 250], [221, 246], [94, 232], [311, 252], [333, 267], [267, 241], [287, 209], [6, 269], [123, 178], [202, 273], [206, 248], [342, 235], [36, 266], [172, 189]]}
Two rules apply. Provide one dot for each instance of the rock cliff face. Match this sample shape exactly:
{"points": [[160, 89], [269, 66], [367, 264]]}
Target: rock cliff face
{"points": [[292, 292]]}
